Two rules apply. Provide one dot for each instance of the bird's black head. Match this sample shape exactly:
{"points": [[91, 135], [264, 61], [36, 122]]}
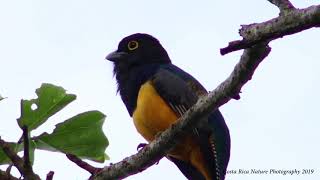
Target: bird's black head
{"points": [[138, 57], [139, 49]]}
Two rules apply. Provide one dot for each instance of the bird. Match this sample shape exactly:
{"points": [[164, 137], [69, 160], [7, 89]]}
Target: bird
{"points": [[156, 93]]}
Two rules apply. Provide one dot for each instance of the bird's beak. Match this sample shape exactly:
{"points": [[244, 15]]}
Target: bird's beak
{"points": [[115, 56]]}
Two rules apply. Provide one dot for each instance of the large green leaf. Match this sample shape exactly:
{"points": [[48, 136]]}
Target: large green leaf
{"points": [[50, 100], [1, 97], [80, 135]]}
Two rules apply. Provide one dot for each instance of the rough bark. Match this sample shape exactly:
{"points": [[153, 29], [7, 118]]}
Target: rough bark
{"points": [[293, 21]]}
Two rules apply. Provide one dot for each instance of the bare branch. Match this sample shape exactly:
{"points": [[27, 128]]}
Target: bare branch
{"points": [[26, 153], [28, 172], [283, 5], [205, 105], [7, 176], [50, 175], [16, 160], [82, 164], [293, 22]]}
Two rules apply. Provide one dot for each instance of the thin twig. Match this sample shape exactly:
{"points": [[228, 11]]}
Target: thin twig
{"points": [[82, 164], [28, 172], [283, 5], [295, 21], [6, 176], [8, 170], [50, 175], [16, 160], [26, 152]]}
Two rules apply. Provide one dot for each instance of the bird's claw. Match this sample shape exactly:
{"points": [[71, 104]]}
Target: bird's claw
{"points": [[141, 146]]}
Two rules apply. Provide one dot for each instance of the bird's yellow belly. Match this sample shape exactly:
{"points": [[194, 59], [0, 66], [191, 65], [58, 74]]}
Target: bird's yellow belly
{"points": [[152, 116]]}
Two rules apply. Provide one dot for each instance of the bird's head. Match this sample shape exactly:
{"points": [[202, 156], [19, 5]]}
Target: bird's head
{"points": [[138, 49]]}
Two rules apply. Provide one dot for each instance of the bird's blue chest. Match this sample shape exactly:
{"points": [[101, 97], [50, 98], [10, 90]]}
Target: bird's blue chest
{"points": [[130, 87]]}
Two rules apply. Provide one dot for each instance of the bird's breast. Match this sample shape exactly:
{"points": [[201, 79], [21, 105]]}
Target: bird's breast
{"points": [[152, 114]]}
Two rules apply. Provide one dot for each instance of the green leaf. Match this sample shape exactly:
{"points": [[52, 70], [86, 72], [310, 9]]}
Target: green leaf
{"points": [[51, 99], [80, 135], [1, 98]]}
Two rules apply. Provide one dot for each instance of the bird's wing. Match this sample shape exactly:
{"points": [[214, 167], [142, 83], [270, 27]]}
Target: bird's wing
{"points": [[180, 90], [174, 91]]}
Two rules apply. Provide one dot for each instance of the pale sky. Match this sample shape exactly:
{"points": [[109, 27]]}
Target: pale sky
{"points": [[275, 124]]}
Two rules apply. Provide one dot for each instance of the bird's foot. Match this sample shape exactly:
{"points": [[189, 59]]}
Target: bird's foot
{"points": [[141, 146]]}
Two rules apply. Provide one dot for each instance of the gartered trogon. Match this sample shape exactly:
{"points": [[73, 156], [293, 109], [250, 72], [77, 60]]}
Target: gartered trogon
{"points": [[156, 93]]}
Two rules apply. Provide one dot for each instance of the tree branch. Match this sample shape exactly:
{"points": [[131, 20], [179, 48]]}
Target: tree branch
{"points": [[26, 153], [205, 105], [82, 164], [17, 161], [7, 176], [28, 171], [283, 5], [292, 22], [50, 175]]}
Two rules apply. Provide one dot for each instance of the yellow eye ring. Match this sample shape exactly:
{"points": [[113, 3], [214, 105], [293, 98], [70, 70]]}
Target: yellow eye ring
{"points": [[132, 45]]}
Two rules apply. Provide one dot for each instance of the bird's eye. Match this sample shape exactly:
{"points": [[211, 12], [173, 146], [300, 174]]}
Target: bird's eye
{"points": [[132, 45]]}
